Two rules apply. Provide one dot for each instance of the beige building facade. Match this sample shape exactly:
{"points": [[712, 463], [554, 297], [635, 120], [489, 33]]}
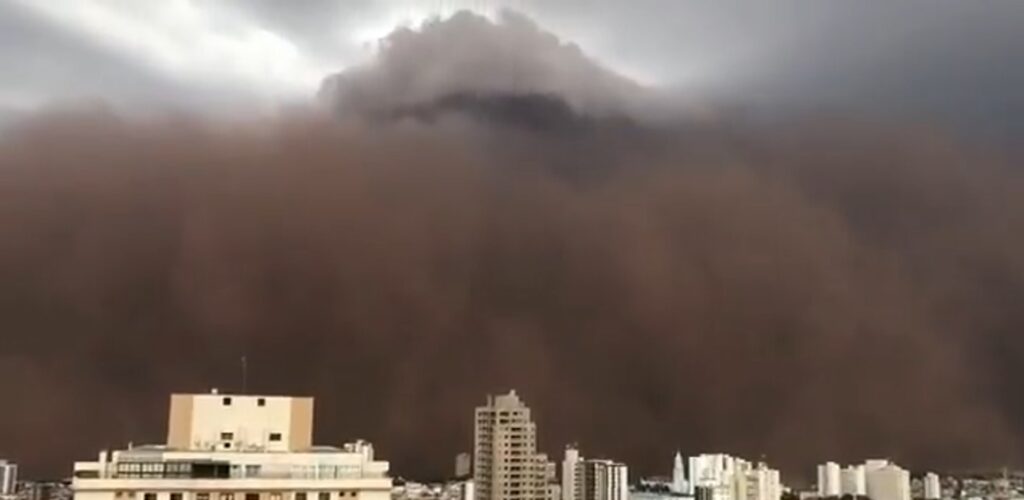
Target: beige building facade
{"points": [[236, 447], [506, 465]]}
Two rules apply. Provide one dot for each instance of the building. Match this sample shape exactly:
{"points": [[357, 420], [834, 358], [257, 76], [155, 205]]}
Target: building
{"points": [[886, 481], [932, 486], [703, 493], [463, 465], [852, 481], [829, 480], [505, 461], [235, 447], [655, 488], [876, 479], [593, 479], [8, 479], [724, 477], [679, 475], [763, 483], [44, 490], [448, 490], [717, 477], [572, 483], [605, 480], [552, 489]]}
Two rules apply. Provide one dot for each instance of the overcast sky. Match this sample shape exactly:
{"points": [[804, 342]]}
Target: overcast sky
{"points": [[943, 57]]}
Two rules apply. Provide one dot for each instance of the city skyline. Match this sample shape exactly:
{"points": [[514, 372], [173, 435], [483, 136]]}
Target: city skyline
{"points": [[197, 422]]}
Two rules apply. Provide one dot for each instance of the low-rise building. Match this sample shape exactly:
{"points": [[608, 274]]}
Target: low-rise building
{"points": [[718, 476], [886, 481], [236, 447], [44, 490], [852, 481], [829, 480]]}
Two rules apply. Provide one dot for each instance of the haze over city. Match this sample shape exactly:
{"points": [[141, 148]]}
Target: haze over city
{"points": [[792, 231]]}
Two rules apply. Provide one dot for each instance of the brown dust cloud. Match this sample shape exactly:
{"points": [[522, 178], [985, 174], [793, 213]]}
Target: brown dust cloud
{"points": [[448, 224]]}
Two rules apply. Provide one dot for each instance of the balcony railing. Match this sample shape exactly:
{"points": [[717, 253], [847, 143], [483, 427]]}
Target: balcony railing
{"points": [[206, 470]]}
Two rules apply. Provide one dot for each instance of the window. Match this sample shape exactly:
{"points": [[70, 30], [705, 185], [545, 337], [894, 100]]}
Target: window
{"points": [[252, 496], [300, 495], [261, 402], [226, 401], [323, 495], [227, 446], [176, 496], [149, 496], [227, 496], [275, 436], [227, 436]]}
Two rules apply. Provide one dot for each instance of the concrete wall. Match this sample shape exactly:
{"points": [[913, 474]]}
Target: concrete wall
{"points": [[240, 422]]}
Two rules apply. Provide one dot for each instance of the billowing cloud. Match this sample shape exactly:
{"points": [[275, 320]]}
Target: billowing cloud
{"points": [[471, 55], [944, 62], [827, 291]]}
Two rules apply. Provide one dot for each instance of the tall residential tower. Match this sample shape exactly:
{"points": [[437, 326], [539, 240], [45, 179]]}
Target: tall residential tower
{"points": [[506, 465]]}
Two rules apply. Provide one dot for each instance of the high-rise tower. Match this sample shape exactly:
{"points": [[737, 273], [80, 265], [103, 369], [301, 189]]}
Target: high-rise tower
{"points": [[506, 465], [679, 475]]}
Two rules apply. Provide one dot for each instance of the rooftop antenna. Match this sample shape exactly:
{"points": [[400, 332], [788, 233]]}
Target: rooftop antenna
{"points": [[245, 376]]}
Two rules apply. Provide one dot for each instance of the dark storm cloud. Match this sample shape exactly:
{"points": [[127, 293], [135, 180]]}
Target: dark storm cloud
{"points": [[947, 62], [958, 62]]}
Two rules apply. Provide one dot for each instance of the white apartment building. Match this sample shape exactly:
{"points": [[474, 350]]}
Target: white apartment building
{"points": [[572, 482], [717, 477], [763, 483], [829, 480], [932, 486], [8, 479], [605, 480], [886, 481], [877, 479], [852, 481], [592, 479], [236, 447], [724, 477], [506, 465], [710, 471]]}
